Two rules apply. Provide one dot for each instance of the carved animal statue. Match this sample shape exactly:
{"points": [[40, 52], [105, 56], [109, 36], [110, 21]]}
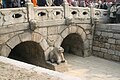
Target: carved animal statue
{"points": [[56, 55]]}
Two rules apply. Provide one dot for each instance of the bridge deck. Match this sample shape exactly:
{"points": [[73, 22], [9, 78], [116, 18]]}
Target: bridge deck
{"points": [[93, 68]]}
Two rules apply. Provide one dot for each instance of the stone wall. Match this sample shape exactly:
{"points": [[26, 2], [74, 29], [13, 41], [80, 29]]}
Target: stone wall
{"points": [[106, 43]]}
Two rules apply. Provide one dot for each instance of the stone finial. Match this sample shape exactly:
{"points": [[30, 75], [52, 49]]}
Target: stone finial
{"points": [[33, 25]]}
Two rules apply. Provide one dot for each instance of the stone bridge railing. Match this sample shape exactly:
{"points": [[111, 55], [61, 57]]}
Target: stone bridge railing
{"points": [[41, 14]]}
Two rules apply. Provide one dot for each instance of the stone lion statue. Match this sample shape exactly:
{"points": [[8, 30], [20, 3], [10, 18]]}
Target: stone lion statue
{"points": [[56, 55]]}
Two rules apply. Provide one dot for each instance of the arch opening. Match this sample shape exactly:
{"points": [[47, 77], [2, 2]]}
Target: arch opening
{"points": [[29, 52], [73, 44]]}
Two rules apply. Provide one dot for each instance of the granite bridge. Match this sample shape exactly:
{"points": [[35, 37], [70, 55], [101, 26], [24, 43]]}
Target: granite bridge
{"points": [[43, 28]]}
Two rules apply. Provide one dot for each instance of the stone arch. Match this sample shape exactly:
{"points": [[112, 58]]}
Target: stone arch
{"points": [[26, 36], [74, 29], [73, 44], [30, 52]]}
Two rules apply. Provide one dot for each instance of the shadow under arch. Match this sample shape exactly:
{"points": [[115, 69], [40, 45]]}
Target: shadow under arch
{"points": [[30, 52], [73, 44]]}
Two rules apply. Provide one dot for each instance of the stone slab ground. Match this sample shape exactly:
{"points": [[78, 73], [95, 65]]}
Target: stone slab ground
{"points": [[93, 68]]}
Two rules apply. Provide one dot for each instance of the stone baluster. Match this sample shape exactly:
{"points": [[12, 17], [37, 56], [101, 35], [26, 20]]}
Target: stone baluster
{"points": [[92, 13], [30, 10], [66, 9]]}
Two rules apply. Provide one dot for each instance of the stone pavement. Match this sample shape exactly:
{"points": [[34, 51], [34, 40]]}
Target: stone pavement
{"points": [[93, 68]]}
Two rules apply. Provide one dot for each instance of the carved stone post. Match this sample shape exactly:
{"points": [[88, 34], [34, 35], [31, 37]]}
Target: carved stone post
{"points": [[66, 9], [30, 10], [31, 14], [92, 13]]}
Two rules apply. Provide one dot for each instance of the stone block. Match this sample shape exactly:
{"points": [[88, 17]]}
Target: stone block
{"points": [[13, 42], [61, 28], [52, 30], [117, 53], [89, 36], [116, 58], [100, 54], [98, 33], [96, 48], [4, 38], [58, 41], [118, 42], [80, 30], [112, 46], [51, 39], [107, 45], [37, 37], [44, 44], [111, 51], [72, 29], [83, 36], [42, 31], [5, 50], [86, 44], [117, 47], [95, 53], [103, 50], [25, 36], [65, 33], [116, 36], [111, 41], [107, 56], [101, 44], [105, 34], [96, 43], [110, 35]]}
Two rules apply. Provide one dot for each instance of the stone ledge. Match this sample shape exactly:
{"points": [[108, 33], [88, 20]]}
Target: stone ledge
{"points": [[21, 66]]}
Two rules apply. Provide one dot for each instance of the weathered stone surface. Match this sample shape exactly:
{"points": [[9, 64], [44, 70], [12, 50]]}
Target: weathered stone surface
{"points": [[107, 56], [118, 47], [44, 44], [112, 46], [5, 51], [104, 34], [104, 50], [107, 45], [13, 42], [80, 30], [42, 31], [116, 58], [111, 51], [101, 54], [4, 38], [96, 48], [111, 41], [86, 44], [110, 35], [117, 53], [51, 39], [118, 42], [65, 33], [61, 28], [72, 29], [58, 41], [98, 33], [84, 36], [52, 30], [25, 36], [37, 37], [116, 36]]}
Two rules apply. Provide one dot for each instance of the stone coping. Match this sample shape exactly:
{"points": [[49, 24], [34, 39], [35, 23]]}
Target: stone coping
{"points": [[37, 69]]}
